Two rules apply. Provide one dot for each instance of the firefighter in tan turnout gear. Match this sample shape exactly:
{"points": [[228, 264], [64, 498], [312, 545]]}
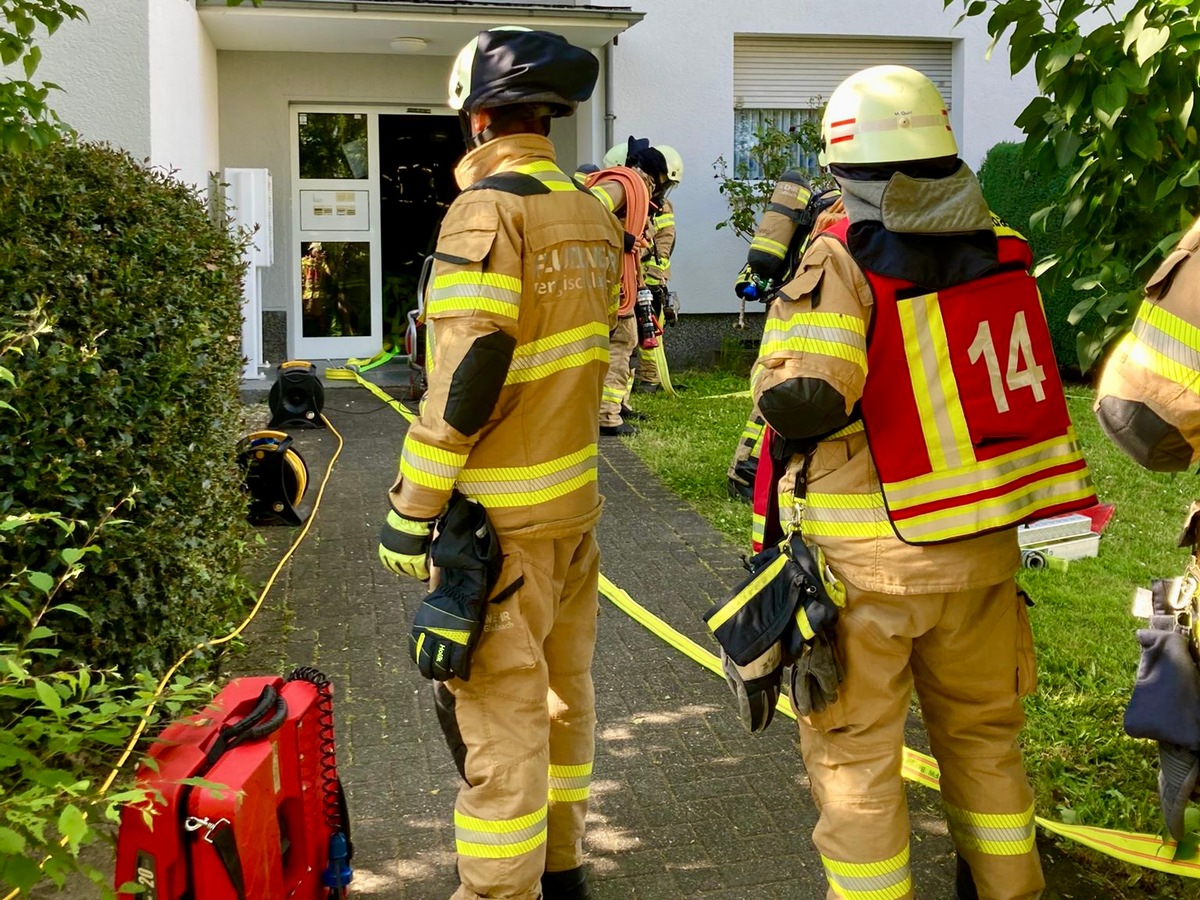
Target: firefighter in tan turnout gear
{"points": [[656, 264], [632, 175], [1148, 402], [1148, 399], [519, 307], [908, 459]]}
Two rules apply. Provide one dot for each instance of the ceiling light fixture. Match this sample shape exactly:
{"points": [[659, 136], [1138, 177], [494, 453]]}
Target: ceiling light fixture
{"points": [[409, 44]]}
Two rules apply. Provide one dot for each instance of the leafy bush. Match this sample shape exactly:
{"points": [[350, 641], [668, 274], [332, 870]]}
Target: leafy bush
{"points": [[134, 388], [63, 722], [1014, 191]]}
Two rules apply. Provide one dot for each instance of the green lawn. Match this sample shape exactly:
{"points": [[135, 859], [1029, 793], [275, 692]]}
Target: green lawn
{"points": [[1083, 767]]}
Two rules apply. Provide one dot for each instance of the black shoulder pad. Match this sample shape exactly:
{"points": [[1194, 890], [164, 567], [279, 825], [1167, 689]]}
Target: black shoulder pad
{"points": [[801, 408], [511, 183]]}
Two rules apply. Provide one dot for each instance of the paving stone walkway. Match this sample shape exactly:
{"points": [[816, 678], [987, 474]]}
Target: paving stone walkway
{"points": [[685, 804]]}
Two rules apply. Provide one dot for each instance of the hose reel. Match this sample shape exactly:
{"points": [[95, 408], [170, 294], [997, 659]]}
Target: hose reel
{"points": [[275, 477], [297, 396]]}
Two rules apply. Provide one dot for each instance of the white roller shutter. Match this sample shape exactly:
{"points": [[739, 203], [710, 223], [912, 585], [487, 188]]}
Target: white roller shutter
{"points": [[788, 72]]}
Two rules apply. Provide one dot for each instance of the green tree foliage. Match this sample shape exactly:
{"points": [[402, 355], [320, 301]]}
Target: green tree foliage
{"points": [[134, 386], [1117, 117], [774, 152], [1015, 192], [26, 119]]}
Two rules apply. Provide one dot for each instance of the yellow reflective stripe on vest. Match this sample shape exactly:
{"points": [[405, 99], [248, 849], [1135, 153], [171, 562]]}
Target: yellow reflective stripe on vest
{"points": [[829, 334], [1007, 834], [947, 438], [758, 528], [499, 838], [999, 511], [886, 880], [505, 486], [570, 784], [558, 352], [430, 466], [604, 197], [1166, 345], [664, 221], [985, 475], [548, 174], [768, 246], [845, 515], [469, 291], [735, 603]]}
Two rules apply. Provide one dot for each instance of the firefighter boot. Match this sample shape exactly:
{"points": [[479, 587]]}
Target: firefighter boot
{"points": [[964, 881], [622, 430], [569, 885]]}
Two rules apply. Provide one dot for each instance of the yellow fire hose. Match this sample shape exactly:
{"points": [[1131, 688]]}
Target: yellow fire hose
{"points": [[1145, 850]]}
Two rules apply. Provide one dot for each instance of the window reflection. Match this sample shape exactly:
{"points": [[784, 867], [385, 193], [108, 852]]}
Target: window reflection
{"points": [[335, 288], [333, 145]]}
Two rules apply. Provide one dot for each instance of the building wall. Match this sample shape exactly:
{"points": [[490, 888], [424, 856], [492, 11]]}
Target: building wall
{"points": [[184, 129], [102, 64], [257, 89], [673, 83]]}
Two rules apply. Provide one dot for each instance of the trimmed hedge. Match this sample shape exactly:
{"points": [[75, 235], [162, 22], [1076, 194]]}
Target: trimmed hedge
{"points": [[1015, 192], [136, 386]]}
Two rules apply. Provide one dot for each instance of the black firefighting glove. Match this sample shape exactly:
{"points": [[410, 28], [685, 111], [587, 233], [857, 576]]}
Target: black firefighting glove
{"points": [[816, 675], [450, 619], [755, 687], [658, 298]]}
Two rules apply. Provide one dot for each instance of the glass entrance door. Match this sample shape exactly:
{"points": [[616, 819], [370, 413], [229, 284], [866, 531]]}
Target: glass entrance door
{"points": [[337, 311]]}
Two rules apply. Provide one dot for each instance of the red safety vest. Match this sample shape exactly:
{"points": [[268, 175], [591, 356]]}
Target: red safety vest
{"points": [[963, 406]]}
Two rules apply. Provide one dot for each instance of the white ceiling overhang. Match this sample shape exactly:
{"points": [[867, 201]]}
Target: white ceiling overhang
{"points": [[370, 26]]}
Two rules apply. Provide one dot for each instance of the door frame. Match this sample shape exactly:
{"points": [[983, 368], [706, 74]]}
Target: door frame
{"points": [[299, 346]]}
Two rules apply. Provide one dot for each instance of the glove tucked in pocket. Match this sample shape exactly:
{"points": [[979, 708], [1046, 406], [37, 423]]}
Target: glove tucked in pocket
{"points": [[450, 619], [755, 687]]}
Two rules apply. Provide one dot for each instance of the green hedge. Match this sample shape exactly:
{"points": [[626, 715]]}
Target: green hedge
{"points": [[136, 386], [1014, 192]]}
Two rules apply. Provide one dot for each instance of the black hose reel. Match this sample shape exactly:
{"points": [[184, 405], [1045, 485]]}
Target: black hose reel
{"points": [[275, 477], [297, 396]]}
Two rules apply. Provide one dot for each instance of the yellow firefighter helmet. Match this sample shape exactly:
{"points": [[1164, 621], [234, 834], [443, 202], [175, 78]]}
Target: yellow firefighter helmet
{"points": [[885, 114]]}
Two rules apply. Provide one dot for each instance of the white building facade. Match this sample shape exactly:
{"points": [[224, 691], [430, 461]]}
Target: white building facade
{"points": [[343, 104]]}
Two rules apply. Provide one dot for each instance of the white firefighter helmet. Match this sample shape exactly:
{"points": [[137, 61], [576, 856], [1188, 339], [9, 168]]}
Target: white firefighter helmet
{"points": [[511, 64], [885, 114], [615, 156], [674, 163]]}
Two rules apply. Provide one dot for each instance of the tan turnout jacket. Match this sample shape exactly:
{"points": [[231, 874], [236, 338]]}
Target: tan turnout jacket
{"points": [[1148, 399], [523, 251]]}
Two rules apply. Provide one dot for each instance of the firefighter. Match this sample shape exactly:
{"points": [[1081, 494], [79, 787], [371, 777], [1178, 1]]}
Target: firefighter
{"points": [[520, 303], [1146, 400], [793, 214], [657, 263], [625, 188], [958, 393]]}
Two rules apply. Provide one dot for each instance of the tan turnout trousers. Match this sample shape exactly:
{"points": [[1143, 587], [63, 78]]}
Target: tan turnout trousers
{"points": [[969, 655], [526, 719], [621, 344]]}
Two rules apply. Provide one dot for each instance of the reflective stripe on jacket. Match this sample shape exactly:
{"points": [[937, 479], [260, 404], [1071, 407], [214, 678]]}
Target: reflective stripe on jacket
{"points": [[657, 263]]}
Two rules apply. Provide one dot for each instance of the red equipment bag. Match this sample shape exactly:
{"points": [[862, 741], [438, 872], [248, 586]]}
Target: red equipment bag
{"points": [[261, 824]]}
